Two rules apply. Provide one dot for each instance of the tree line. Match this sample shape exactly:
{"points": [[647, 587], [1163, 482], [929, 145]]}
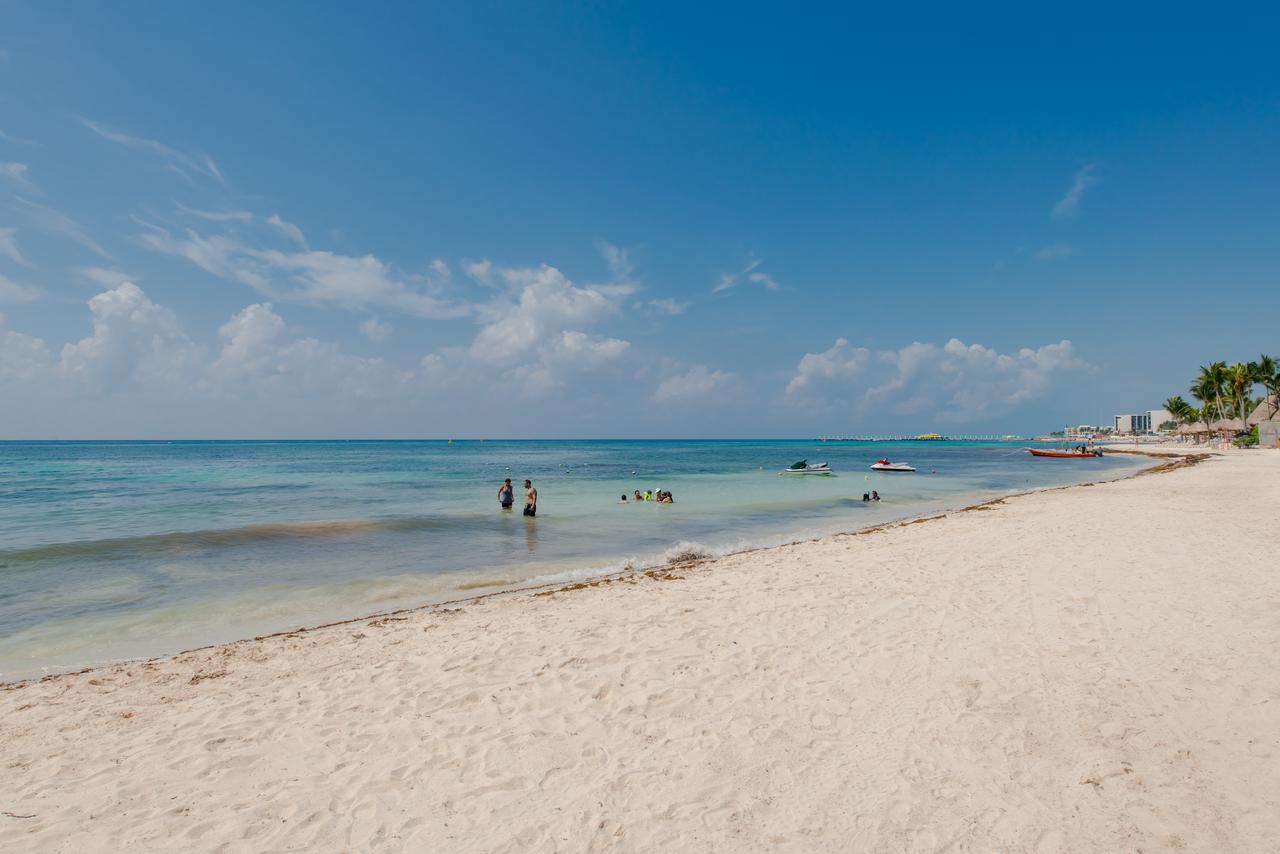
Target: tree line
{"points": [[1226, 392]]}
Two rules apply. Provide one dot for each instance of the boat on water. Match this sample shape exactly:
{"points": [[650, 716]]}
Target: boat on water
{"points": [[885, 465], [803, 467], [1076, 455]]}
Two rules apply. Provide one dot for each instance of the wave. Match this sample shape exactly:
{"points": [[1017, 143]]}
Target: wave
{"points": [[178, 542]]}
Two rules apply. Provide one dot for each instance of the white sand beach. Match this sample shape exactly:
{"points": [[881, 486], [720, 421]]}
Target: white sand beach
{"points": [[1086, 669]]}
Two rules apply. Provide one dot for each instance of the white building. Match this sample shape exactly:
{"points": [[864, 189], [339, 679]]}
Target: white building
{"points": [[1140, 423], [1158, 417]]}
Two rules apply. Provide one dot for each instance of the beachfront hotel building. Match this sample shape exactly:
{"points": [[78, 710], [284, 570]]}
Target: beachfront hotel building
{"points": [[1142, 422]]}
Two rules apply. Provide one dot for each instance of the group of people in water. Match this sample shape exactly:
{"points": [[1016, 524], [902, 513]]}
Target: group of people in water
{"points": [[507, 497], [661, 496]]}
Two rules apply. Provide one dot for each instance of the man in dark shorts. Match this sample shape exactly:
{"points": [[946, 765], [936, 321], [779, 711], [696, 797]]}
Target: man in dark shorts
{"points": [[506, 495], [530, 499]]}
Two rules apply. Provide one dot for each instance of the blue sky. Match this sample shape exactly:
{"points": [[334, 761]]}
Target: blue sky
{"points": [[625, 220]]}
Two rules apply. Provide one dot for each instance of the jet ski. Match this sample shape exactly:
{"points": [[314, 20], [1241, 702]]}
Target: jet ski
{"points": [[803, 467], [885, 465]]}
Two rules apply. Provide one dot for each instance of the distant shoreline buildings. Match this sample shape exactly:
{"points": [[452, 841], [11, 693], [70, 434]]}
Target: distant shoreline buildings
{"points": [[1148, 423]]}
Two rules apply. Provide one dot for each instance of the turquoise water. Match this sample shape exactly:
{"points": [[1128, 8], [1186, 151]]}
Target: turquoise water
{"points": [[112, 550]]}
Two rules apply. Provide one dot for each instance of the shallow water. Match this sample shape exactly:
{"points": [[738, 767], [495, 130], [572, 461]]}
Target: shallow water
{"points": [[116, 550]]}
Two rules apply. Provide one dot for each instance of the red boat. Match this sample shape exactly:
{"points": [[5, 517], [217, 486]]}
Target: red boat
{"points": [[1040, 452]]}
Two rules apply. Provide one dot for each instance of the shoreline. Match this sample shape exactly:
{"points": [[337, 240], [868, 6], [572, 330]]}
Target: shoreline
{"points": [[546, 588], [1085, 668]]}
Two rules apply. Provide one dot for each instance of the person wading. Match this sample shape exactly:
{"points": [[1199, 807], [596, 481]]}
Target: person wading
{"points": [[506, 495], [530, 499]]}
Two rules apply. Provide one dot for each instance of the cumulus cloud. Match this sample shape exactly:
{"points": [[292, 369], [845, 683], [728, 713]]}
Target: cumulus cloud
{"points": [[375, 330], [134, 340], [955, 382], [1069, 204], [23, 358], [697, 384], [539, 305]]}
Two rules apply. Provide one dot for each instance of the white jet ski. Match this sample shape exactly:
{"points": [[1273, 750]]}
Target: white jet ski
{"points": [[885, 465], [803, 467]]}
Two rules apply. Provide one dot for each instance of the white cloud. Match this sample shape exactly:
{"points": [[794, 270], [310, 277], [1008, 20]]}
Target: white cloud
{"points": [[749, 273], [352, 282], [764, 279], [16, 173], [105, 277], [219, 255], [698, 383], [669, 307], [1053, 253], [9, 246], [23, 358], [217, 216], [1069, 204], [541, 303], [955, 382], [375, 330], [617, 258], [840, 362], [134, 340], [258, 360], [11, 291], [186, 165], [728, 280], [288, 229], [55, 222], [347, 281]]}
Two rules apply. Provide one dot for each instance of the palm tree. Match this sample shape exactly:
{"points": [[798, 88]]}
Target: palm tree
{"points": [[1181, 411], [1265, 372], [1208, 390], [1240, 379]]}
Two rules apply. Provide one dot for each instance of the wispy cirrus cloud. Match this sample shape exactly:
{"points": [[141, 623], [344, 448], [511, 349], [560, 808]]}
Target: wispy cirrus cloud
{"points": [[9, 246], [11, 291], [1086, 176], [217, 216], [16, 173], [288, 229], [189, 166], [1053, 253], [56, 222], [751, 272], [357, 282]]}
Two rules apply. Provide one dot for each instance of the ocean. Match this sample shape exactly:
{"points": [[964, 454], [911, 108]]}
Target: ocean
{"points": [[118, 550]]}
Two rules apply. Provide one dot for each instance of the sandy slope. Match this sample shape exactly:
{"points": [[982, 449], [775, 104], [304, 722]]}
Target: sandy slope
{"points": [[1092, 669]]}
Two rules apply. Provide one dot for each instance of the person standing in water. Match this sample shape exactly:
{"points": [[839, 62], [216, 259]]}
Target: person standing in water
{"points": [[506, 495], [530, 499]]}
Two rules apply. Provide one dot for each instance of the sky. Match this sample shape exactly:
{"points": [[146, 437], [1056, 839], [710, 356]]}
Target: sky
{"points": [[289, 220]]}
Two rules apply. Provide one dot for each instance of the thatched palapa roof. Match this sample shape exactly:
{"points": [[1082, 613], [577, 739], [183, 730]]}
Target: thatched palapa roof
{"points": [[1268, 410]]}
